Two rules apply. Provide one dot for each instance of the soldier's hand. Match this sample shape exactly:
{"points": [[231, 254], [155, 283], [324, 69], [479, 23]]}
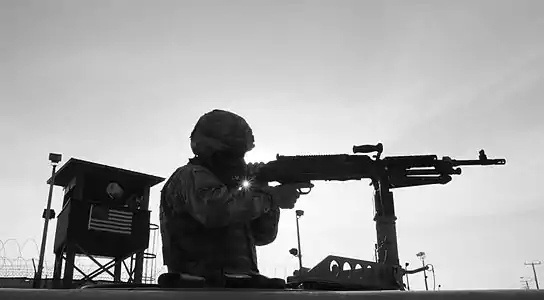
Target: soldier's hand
{"points": [[286, 195], [253, 168]]}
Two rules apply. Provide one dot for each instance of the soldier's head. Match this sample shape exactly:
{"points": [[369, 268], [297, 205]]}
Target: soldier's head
{"points": [[222, 138]]}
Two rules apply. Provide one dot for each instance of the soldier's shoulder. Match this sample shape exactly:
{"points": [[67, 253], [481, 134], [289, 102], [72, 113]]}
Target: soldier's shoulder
{"points": [[184, 178], [189, 170], [179, 179]]}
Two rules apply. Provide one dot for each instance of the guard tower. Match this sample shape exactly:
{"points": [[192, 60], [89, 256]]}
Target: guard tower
{"points": [[105, 214]]}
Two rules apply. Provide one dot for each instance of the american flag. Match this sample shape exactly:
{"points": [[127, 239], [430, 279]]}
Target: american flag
{"points": [[110, 220]]}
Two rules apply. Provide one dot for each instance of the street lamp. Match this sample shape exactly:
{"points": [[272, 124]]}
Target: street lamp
{"points": [[434, 275], [421, 256], [407, 282], [532, 264], [299, 213], [54, 158]]}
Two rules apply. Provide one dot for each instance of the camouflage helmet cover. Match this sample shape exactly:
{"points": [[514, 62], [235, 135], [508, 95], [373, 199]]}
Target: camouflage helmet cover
{"points": [[220, 130]]}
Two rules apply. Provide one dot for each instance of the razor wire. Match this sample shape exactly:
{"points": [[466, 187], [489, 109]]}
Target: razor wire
{"points": [[15, 264]]}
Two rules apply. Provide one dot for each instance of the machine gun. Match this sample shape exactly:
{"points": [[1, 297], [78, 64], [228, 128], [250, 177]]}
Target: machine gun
{"points": [[386, 174], [395, 171]]}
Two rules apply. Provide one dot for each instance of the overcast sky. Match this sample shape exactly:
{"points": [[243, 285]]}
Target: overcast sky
{"points": [[123, 82]]}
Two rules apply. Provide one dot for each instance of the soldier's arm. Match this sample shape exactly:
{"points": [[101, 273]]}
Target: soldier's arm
{"points": [[265, 228], [209, 201]]}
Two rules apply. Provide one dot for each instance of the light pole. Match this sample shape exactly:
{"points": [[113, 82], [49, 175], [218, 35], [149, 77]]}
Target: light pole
{"points": [[55, 159], [421, 256], [299, 213], [434, 276], [532, 264], [407, 282]]}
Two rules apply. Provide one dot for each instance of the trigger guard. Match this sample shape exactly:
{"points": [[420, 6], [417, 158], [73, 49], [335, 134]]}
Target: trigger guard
{"points": [[304, 193]]}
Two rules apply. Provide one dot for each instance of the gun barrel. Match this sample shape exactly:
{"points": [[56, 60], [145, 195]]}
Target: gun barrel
{"points": [[479, 162]]}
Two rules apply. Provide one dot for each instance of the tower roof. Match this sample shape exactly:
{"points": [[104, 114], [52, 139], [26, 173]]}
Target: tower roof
{"points": [[77, 166]]}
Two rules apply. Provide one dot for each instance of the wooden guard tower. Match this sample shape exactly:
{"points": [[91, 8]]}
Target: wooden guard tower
{"points": [[105, 214]]}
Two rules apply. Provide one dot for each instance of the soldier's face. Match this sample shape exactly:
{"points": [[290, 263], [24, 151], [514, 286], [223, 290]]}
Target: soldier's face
{"points": [[229, 163]]}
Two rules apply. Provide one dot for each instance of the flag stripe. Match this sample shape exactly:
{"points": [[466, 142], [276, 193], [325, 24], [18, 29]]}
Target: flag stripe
{"points": [[110, 220], [110, 227], [112, 230], [121, 213], [112, 224], [122, 218]]}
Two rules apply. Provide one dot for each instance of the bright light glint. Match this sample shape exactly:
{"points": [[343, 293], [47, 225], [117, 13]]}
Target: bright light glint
{"points": [[245, 184]]}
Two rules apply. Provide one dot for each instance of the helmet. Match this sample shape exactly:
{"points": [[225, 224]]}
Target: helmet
{"points": [[114, 190], [220, 130]]}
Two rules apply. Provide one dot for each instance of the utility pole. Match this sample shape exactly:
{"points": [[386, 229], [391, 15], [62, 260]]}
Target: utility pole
{"points": [[55, 159], [421, 256], [532, 264]]}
